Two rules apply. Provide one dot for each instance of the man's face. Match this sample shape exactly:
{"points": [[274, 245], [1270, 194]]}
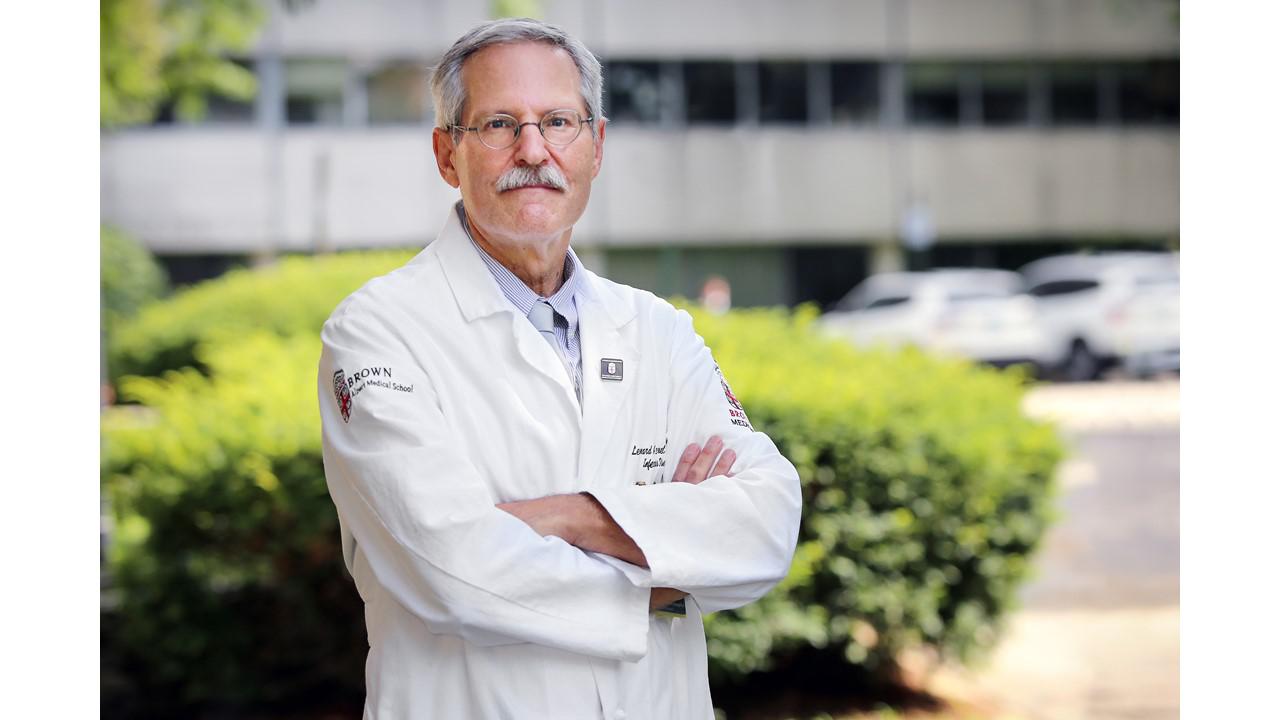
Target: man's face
{"points": [[525, 80]]}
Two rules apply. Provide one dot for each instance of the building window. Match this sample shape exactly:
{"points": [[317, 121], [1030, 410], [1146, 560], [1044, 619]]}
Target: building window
{"points": [[710, 92], [633, 92], [398, 94], [314, 90], [1073, 94], [933, 94], [225, 111], [1006, 94], [1149, 93], [855, 92], [784, 92]]}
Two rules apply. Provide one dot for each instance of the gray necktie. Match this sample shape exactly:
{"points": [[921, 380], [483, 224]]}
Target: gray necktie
{"points": [[543, 317]]}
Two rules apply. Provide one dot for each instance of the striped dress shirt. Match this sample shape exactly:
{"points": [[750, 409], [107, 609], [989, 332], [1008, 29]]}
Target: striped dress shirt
{"points": [[564, 301]]}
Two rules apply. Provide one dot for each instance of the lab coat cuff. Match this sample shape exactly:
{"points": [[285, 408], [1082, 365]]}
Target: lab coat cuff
{"points": [[633, 629], [638, 576], [663, 565]]}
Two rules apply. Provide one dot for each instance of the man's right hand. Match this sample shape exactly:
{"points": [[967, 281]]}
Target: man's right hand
{"points": [[695, 463], [694, 467]]}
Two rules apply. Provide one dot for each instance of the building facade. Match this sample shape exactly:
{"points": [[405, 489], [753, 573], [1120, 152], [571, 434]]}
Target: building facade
{"points": [[791, 147]]}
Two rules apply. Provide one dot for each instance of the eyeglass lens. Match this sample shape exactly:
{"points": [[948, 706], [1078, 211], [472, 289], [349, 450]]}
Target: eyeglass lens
{"points": [[559, 127]]}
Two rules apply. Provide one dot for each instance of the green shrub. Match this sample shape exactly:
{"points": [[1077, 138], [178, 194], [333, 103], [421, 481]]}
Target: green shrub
{"points": [[224, 552], [292, 297], [926, 491], [131, 278]]}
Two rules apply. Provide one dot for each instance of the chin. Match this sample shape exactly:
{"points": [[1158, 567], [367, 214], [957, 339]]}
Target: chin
{"points": [[541, 215]]}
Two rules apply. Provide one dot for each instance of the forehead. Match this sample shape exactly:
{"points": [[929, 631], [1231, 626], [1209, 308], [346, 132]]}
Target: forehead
{"points": [[521, 77]]}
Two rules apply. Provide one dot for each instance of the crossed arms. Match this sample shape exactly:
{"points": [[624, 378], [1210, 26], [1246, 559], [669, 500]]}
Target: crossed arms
{"points": [[583, 522], [419, 520]]}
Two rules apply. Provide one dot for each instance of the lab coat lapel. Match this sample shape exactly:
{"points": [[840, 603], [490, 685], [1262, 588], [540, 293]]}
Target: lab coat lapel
{"points": [[535, 351], [603, 321], [479, 296], [473, 286]]}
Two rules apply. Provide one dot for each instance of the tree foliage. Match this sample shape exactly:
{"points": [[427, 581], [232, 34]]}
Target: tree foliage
{"points": [[515, 8], [130, 279], [158, 51]]}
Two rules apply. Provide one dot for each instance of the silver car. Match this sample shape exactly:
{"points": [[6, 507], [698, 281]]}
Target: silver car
{"points": [[974, 313], [1108, 309]]}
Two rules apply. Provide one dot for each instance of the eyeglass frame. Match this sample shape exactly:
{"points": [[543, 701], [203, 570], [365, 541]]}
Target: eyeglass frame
{"points": [[515, 138]]}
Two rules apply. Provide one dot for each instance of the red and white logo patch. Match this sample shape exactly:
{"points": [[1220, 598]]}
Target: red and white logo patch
{"points": [[342, 394], [737, 415]]}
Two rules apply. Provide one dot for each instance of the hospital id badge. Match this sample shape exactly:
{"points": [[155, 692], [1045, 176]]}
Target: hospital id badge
{"points": [[675, 609]]}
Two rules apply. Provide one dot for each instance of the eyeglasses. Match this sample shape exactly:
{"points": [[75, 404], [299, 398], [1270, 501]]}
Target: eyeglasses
{"points": [[499, 132]]}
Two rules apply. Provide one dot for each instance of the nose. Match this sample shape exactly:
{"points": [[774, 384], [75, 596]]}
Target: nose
{"points": [[531, 147]]}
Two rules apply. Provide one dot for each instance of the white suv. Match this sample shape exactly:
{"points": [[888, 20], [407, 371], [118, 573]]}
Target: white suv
{"points": [[1103, 310], [975, 313]]}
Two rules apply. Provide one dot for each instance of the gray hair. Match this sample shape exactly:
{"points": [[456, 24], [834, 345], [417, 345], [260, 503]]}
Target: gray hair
{"points": [[449, 94]]}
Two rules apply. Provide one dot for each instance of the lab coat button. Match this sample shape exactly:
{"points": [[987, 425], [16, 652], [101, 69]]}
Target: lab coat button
{"points": [[620, 714]]}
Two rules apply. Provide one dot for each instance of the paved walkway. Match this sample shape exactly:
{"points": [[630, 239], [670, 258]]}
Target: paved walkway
{"points": [[1112, 405], [1098, 636], [1076, 665]]}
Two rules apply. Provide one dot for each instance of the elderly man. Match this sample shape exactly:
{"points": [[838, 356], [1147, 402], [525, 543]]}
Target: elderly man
{"points": [[543, 479]]}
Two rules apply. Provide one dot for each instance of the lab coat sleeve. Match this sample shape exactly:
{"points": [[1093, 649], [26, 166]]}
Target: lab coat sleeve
{"points": [[728, 540], [426, 524]]}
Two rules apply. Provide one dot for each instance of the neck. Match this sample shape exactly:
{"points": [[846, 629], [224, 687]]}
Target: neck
{"points": [[539, 263]]}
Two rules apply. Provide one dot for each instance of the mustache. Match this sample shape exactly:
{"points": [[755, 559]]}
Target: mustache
{"points": [[526, 176]]}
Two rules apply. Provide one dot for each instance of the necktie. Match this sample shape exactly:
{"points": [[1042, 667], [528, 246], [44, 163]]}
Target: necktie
{"points": [[543, 317]]}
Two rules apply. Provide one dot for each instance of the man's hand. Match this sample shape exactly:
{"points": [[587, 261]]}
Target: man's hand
{"points": [[695, 463]]}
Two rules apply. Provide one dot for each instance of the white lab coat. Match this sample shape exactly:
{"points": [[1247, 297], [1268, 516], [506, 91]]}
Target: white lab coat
{"points": [[455, 403]]}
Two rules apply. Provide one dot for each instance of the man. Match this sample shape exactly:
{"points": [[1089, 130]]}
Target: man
{"points": [[542, 478]]}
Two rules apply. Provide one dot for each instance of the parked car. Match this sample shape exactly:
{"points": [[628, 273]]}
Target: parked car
{"points": [[1147, 327], [1100, 311], [979, 314]]}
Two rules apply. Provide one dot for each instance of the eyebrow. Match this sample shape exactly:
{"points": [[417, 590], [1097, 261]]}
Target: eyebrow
{"points": [[586, 112]]}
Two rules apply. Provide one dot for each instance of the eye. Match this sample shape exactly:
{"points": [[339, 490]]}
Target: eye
{"points": [[560, 120], [498, 123]]}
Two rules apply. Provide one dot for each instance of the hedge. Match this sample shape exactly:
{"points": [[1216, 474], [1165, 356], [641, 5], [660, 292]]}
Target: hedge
{"points": [[295, 295], [926, 494]]}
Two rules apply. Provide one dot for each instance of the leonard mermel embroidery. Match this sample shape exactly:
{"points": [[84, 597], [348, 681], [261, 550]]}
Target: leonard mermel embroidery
{"points": [[345, 389]]}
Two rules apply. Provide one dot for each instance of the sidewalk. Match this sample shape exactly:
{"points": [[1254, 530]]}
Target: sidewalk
{"points": [[1093, 644], [1076, 665], [1113, 405]]}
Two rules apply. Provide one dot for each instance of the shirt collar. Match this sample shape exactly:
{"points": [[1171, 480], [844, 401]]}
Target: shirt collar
{"points": [[562, 300]]}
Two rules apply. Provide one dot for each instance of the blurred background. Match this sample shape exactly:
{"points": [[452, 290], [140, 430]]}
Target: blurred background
{"points": [[977, 180]]}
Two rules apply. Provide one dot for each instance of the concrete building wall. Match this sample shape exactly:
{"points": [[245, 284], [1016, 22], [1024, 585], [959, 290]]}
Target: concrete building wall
{"points": [[796, 28], [221, 190], [261, 182]]}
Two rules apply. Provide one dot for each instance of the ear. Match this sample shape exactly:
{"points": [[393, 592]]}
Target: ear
{"points": [[442, 144], [599, 159]]}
